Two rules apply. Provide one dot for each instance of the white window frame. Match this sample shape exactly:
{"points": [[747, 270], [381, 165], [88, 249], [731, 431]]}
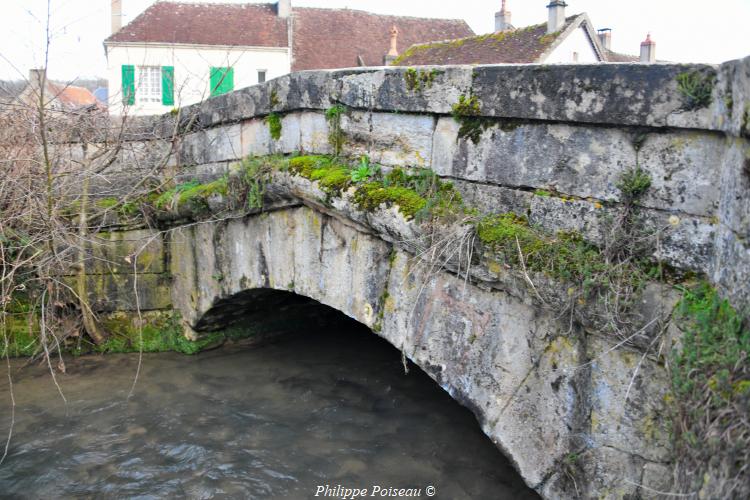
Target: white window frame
{"points": [[148, 88], [265, 75]]}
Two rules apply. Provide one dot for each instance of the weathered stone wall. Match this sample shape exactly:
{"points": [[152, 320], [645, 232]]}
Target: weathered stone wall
{"points": [[565, 130], [569, 409]]}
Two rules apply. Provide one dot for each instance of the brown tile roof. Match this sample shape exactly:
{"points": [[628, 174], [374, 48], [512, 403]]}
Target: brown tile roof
{"points": [[618, 57], [323, 38], [522, 45], [247, 25], [334, 38]]}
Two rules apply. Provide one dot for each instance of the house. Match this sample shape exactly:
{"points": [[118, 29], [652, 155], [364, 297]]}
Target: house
{"points": [[57, 96], [177, 53], [560, 40]]}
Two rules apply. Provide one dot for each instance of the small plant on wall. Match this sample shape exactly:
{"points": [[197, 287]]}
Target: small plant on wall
{"points": [[274, 125]]}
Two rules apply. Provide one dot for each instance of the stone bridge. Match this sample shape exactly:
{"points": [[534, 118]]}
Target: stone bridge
{"points": [[575, 409]]}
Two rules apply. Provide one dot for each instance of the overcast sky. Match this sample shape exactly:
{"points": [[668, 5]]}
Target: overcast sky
{"points": [[684, 30]]}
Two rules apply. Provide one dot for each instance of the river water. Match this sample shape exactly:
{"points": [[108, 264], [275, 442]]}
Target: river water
{"points": [[277, 420]]}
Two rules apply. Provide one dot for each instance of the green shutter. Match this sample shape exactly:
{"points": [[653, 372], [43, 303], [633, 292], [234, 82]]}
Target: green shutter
{"points": [[222, 81], [167, 85], [128, 84]]}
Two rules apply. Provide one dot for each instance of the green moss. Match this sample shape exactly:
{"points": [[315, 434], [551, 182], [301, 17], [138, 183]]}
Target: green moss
{"points": [[332, 176], [564, 256], [21, 331], [332, 179], [418, 80], [274, 125], [548, 38], [467, 113], [542, 192], [371, 195], [304, 165], [696, 88], [162, 332], [107, 203], [193, 194]]}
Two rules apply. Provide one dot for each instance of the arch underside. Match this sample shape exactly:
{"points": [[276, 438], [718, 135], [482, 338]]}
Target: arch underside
{"points": [[516, 366]]}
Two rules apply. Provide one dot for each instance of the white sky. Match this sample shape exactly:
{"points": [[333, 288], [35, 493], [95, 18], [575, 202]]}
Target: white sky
{"points": [[684, 30]]}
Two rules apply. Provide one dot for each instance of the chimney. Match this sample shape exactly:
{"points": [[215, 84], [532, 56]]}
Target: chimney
{"points": [[502, 19], [37, 77], [116, 16], [605, 37], [648, 50], [284, 8], [556, 19], [393, 53]]}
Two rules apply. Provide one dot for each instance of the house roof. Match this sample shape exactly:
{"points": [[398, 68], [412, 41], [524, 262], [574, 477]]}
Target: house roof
{"points": [[71, 96], [335, 38], [247, 25], [517, 46], [612, 56], [322, 38], [531, 44]]}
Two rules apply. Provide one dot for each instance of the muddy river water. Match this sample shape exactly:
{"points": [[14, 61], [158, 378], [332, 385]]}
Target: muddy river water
{"points": [[303, 415]]}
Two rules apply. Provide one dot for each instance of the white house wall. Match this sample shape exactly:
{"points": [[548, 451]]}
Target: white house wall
{"points": [[577, 42], [192, 66]]}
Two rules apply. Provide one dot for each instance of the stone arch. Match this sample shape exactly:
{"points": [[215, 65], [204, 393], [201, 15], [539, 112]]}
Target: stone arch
{"points": [[513, 365]]}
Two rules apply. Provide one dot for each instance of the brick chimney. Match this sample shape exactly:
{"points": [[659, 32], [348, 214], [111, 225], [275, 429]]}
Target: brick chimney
{"points": [[605, 37], [116, 16], [502, 19], [556, 19], [648, 50], [284, 8], [393, 52]]}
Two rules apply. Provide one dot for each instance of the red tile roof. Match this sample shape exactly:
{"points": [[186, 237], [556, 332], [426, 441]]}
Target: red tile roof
{"points": [[72, 96], [334, 38], [323, 38], [247, 25], [522, 45]]}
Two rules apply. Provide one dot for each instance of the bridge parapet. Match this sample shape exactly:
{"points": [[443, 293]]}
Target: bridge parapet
{"points": [[548, 141]]}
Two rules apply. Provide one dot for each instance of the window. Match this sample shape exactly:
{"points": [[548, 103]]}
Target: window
{"points": [[261, 75], [149, 84], [222, 81]]}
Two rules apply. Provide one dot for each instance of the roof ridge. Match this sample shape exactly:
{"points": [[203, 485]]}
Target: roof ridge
{"points": [[233, 4], [484, 35], [346, 9]]}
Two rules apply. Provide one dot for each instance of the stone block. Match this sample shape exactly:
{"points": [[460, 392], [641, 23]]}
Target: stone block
{"points": [[212, 145], [389, 139], [255, 138]]}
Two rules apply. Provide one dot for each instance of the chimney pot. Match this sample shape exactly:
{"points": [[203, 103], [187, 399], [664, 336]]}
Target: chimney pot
{"points": [[393, 52], [116, 16], [284, 8], [648, 50], [556, 16]]}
